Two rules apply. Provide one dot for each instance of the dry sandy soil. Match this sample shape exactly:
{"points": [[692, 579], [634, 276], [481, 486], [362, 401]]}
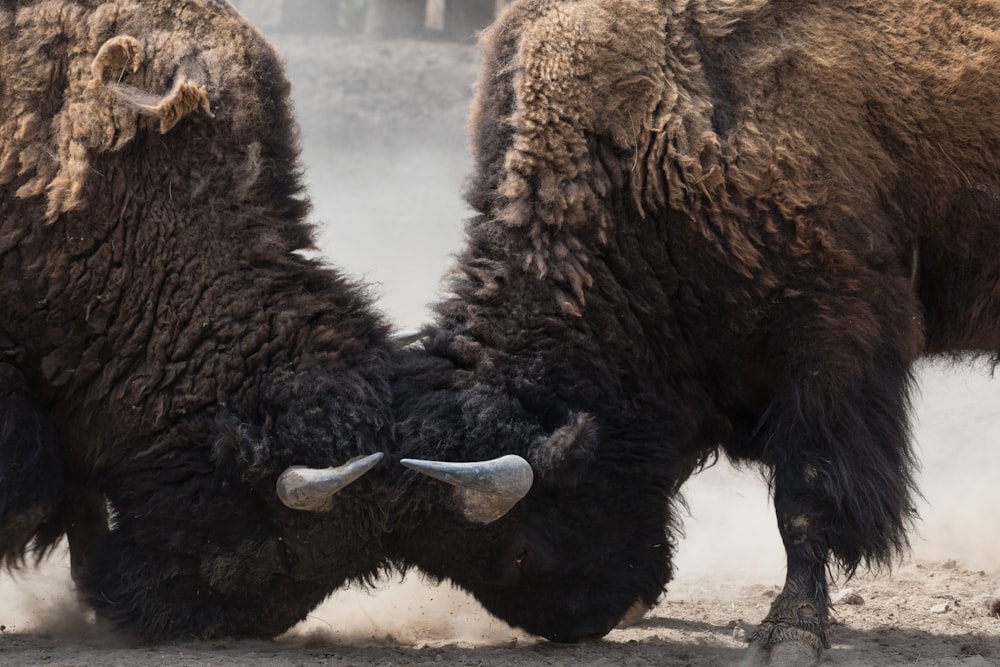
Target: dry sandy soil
{"points": [[384, 147]]}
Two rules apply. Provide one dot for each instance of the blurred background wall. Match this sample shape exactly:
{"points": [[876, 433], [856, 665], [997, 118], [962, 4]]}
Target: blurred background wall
{"points": [[455, 19]]}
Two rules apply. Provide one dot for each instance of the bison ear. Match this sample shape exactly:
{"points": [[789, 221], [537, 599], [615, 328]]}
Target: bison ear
{"points": [[185, 97], [123, 54], [562, 457]]}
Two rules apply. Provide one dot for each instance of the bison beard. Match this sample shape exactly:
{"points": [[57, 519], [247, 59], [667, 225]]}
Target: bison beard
{"points": [[165, 352], [705, 227]]}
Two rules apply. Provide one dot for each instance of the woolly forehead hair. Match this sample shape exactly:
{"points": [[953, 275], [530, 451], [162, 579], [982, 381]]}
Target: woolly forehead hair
{"points": [[85, 77], [563, 73]]}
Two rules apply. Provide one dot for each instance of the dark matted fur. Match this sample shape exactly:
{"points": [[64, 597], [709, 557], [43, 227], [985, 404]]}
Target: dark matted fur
{"points": [[163, 346], [706, 226]]}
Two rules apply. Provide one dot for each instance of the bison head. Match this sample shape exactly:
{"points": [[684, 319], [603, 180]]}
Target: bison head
{"points": [[569, 559]]}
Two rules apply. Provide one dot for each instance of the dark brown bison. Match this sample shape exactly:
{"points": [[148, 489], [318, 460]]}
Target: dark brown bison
{"points": [[165, 351], [705, 226]]}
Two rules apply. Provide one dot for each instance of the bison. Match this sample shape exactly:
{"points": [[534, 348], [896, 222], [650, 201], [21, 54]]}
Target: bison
{"points": [[703, 228], [169, 360]]}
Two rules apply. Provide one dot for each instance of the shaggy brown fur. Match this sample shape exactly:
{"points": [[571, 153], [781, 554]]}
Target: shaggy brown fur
{"points": [[708, 225], [163, 346]]}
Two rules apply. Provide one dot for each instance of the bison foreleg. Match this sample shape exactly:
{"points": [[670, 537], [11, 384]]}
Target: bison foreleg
{"points": [[796, 629], [836, 437]]}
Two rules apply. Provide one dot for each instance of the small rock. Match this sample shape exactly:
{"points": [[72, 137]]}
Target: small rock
{"points": [[739, 634], [995, 607], [942, 608], [847, 596]]}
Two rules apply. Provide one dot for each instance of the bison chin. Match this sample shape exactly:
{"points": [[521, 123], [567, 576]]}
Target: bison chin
{"points": [[539, 578]]}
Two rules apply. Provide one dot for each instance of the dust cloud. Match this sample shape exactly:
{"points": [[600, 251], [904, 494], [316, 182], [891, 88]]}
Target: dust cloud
{"points": [[43, 600], [385, 175], [411, 612]]}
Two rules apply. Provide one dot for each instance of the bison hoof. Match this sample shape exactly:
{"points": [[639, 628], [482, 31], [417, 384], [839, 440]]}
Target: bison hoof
{"points": [[788, 653]]}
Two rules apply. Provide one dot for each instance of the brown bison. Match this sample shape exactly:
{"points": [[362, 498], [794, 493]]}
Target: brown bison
{"points": [[705, 226], [164, 350]]}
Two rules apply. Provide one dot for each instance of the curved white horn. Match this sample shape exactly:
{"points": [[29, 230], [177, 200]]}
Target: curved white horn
{"points": [[485, 490], [312, 489]]}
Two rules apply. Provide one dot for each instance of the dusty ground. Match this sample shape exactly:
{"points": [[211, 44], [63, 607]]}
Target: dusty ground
{"points": [[384, 146]]}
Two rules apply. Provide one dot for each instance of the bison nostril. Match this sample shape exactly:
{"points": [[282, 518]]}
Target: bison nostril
{"points": [[521, 558]]}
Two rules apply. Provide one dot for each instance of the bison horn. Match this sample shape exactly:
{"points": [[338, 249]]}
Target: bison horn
{"points": [[312, 489], [485, 490]]}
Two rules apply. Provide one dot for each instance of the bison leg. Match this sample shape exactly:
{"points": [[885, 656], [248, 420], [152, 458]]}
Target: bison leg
{"points": [[795, 630], [836, 438], [31, 479]]}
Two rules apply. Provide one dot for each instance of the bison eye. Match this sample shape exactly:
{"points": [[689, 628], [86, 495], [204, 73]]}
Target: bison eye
{"points": [[521, 558]]}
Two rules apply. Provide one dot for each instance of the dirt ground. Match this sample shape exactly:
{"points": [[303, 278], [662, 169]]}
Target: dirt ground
{"points": [[384, 147], [925, 614]]}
